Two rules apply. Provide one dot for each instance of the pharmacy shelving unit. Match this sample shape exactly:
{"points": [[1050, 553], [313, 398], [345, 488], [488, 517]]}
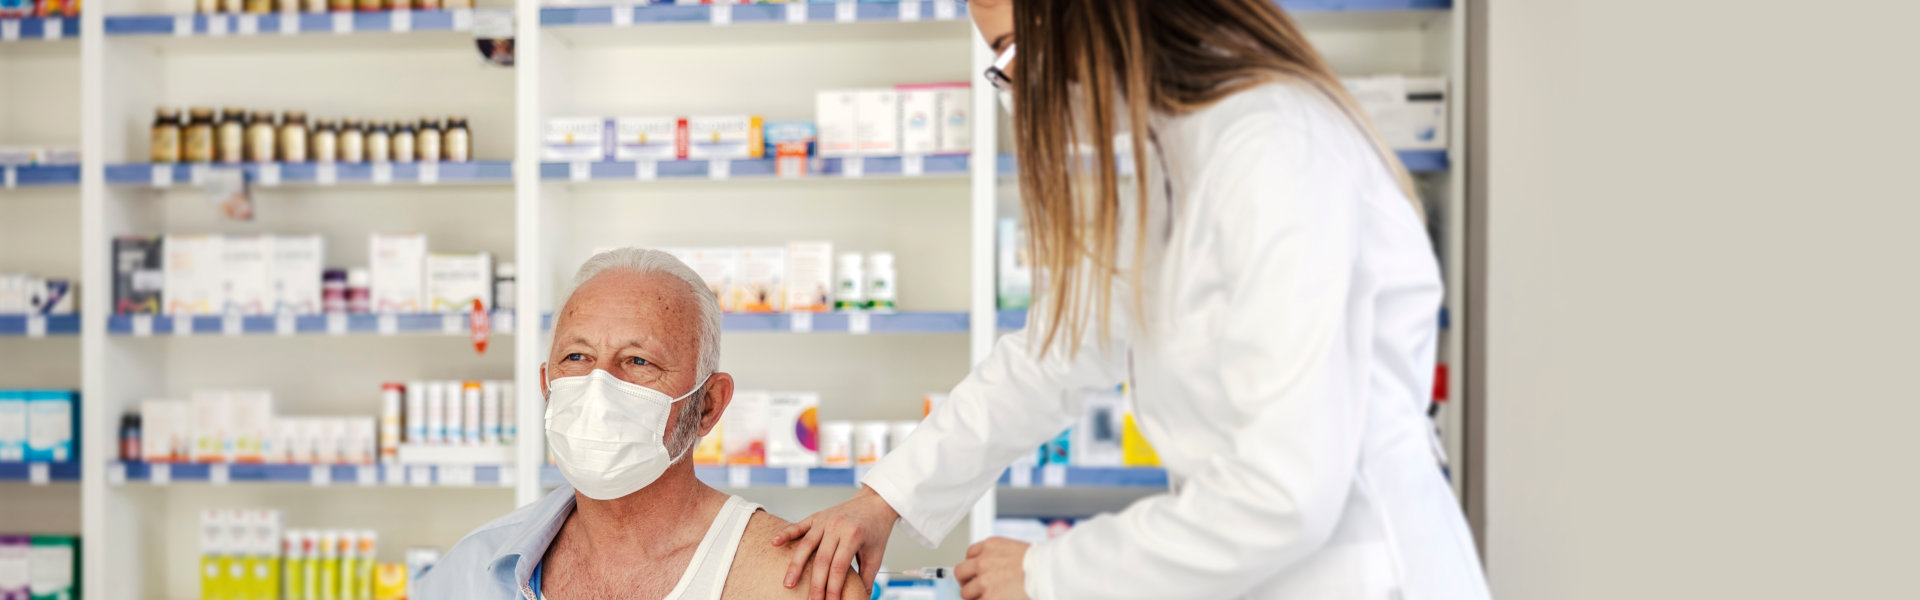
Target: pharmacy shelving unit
{"points": [[39, 227], [937, 214]]}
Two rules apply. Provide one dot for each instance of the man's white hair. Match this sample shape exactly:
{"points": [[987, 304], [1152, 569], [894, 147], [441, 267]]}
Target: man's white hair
{"points": [[646, 261]]}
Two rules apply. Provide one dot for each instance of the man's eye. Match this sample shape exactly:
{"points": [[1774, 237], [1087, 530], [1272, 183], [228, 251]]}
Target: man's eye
{"points": [[639, 362], [576, 357]]}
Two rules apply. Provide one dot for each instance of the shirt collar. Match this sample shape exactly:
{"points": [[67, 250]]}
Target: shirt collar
{"points": [[534, 536]]}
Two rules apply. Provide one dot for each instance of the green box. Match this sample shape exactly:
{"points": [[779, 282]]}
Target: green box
{"points": [[54, 567]]}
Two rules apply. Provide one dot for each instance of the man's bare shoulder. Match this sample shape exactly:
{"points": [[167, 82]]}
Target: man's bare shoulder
{"points": [[758, 566]]}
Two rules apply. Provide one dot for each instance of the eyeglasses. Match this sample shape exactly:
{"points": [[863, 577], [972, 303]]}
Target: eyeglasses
{"points": [[997, 74]]}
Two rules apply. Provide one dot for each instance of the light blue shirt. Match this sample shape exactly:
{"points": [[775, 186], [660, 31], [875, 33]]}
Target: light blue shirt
{"points": [[496, 561]]}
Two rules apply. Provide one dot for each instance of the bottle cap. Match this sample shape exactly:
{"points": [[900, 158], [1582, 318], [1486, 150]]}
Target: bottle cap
{"points": [[881, 258], [505, 270], [850, 260]]}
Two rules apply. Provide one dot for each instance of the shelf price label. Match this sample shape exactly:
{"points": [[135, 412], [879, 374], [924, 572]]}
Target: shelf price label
{"points": [[453, 323], [9, 29], [800, 322], [342, 23], [853, 167], [39, 474], [183, 26], [366, 475], [142, 325], [739, 477], [285, 324], [1053, 476], [389, 324], [160, 474], [1020, 477], [326, 173], [503, 321], [396, 475], [462, 19], [400, 20], [456, 475], [859, 323], [845, 11], [420, 476], [623, 14], [12, 177], [183, 326], [506, 476], [796, 12], [336, 324], [36, 326], [269, 174], [944, 10], [289, 24], [53, 28], [217, 25], [382, 173], [719, 169], [722, 14], [320, 475], [162, 175], [799, 477], [429, 173], [247, 25], [219, 474], [910, 10], [913, 165], [646, 170], [117, 474], [230, 324], [579, 171]]}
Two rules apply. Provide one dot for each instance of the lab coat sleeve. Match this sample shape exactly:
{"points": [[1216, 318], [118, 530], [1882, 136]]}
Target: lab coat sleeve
{"points": [[1283, 223], [1008, 406]]}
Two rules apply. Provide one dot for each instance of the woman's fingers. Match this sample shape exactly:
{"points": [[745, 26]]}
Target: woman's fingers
{"points": [[792, 532], [869, 565], [820, 559], [837, 574], [802, 550]]}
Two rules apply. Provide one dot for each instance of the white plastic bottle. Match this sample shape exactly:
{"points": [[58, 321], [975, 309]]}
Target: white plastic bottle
{"points": [[849, 290], [882, 295]]}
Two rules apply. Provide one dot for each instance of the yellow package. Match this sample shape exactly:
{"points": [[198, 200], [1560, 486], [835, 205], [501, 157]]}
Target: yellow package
{"points": [[712, 448], [1134, 449], [213, 579], [390, 581]]}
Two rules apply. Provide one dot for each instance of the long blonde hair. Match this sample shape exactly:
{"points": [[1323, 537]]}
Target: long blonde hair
{"points": [[1178, 56]]}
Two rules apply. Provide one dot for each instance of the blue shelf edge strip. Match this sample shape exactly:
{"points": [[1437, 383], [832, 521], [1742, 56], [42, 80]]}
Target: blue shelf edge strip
{"points": [[298, 173], [341, 475], [722, 476], [835, 322], [872, 166], [35, 28], [269, 24], [669, 14], [57, 471], [432, 323], [16, 325], [43, 175]]}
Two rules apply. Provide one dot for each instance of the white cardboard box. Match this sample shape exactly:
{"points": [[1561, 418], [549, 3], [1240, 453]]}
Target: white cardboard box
{"points": [[760, 285], [244, 269], [956, 120], [252, 424], [809, 276], [746, 421], [212, 426], [575, 139], [725, 137], [647, 138], [876, 129], [296, 266], [834, 114], [398, 272], [919, 121], [454, 281], [191, 267], [716, 266]]}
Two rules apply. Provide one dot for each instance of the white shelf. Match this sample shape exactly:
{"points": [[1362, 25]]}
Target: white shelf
{"points": [[345, 476], [289, 24], [321, 324], [441, 173]]}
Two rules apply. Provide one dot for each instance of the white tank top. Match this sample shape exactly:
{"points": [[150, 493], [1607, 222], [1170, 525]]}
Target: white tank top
{"points": [[706, 574]]}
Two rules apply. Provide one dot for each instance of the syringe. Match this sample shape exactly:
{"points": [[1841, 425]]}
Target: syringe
{"points": [[922, 573]]}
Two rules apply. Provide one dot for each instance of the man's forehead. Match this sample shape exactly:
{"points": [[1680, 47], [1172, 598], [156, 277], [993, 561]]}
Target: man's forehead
{"points": [[641, 299]]}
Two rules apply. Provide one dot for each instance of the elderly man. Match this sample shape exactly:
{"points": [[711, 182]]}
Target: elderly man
{"points": [[631, 383]]}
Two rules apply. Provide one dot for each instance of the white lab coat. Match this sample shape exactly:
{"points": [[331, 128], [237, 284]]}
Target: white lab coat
{"points": [[1292, 297]]}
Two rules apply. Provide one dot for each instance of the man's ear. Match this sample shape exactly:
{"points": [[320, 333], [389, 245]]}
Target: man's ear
{"points": [[719, 395], [543, 381]]}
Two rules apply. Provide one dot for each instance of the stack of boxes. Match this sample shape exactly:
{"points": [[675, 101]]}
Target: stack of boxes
{"points": [[783, 429], [575, 139], [795, 278], [25, 294], [244, 555], [908, 119], [220, 426], [284, 274], [39, 426]]}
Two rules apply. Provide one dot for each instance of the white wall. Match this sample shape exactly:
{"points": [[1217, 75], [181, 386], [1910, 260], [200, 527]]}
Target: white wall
{"points": [[1700, 299]]}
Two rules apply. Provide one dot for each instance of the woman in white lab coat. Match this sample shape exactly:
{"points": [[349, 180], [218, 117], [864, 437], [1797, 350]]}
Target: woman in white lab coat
{"points": [[1268, 289]]}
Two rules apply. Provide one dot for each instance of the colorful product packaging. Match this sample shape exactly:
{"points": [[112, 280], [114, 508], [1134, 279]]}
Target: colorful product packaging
{"points": [[244, 268], [791, 143], [15, 567], [52, 423], [398, 273], [747, 419], [296, 263], [716, 266], [836, 444], [793, 430], [725, 137], [53, 567], [13, 425], [809, 277], [139, 280], [576, 139], [194, 279], [212, 426], [648, 138], [252, 424], [1135, 451], [760, 284], [456, 281]]}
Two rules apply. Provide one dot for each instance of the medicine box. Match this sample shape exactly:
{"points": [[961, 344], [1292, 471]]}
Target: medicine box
{"points": [[746, 421], [212, 426], [252, 425], [793, 430], [243, 270], [716, 266], [361, 441], [194, 282], [295, 268], [1096, 437], [576, 139], [455, 281], [760, 284], [329, 439], [13, 425], [792, 144], [57, 297], [1409, 112], [15, 567], [53, 567], [52, 422], [834, 115], [398, 273], [725, 137], [919, 120], [956, 119], [876, 129], [164, 429], [809, 276], [13, 293], [138, 279], [648, 138]]}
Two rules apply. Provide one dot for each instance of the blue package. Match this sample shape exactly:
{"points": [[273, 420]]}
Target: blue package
{"points": [[13, 425], [791, 132], [1059, 451], [51, 426]]}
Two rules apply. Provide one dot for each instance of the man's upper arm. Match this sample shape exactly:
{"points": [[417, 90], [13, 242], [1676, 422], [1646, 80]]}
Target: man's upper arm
{"points": [[759, 567]]}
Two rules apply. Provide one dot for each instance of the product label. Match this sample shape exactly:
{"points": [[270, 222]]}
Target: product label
{"points": [[50, 430]]}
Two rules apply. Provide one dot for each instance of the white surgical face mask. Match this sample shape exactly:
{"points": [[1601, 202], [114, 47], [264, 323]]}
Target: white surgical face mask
{"points": [[608, 435]]}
